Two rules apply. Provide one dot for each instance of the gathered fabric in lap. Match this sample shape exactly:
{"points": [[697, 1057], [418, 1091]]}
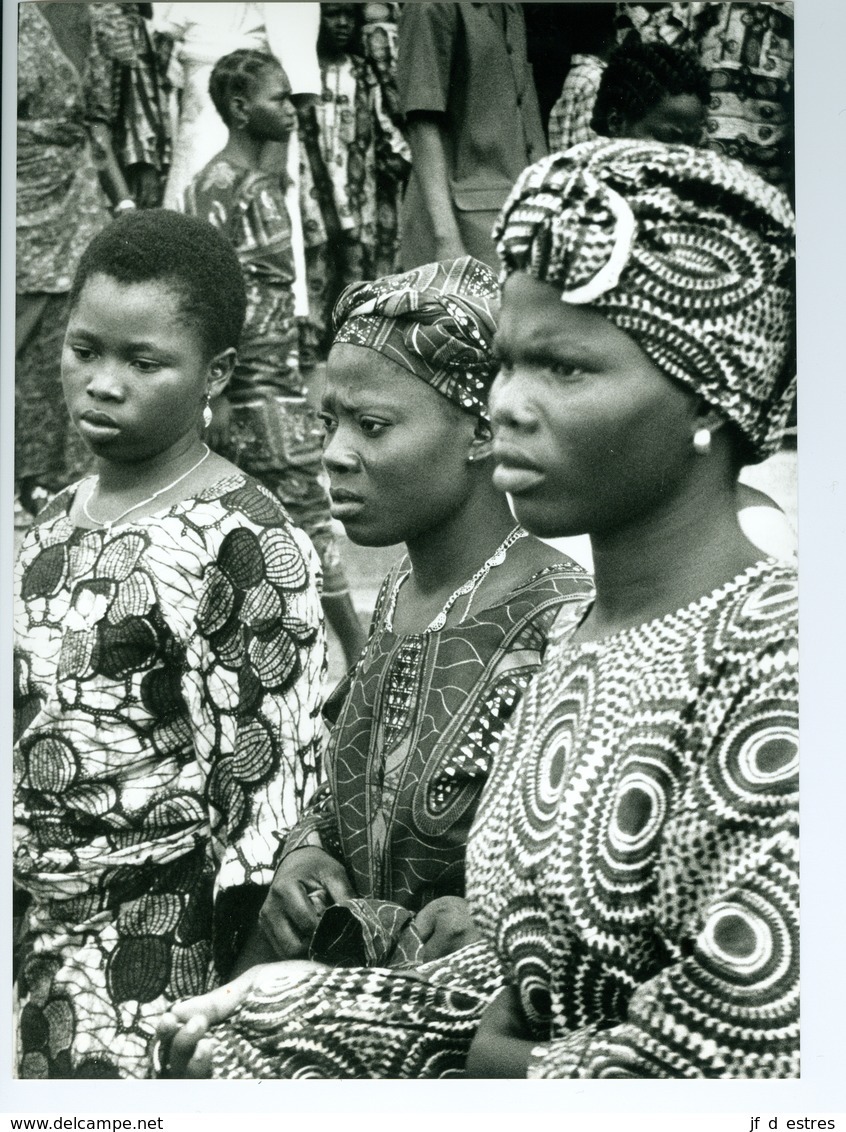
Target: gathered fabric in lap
{"points": [[634, 856], [361, 1022], [167, 680]]}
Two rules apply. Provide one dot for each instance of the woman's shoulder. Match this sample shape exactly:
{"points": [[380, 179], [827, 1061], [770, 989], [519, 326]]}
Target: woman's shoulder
{"points": [[763, 603]]}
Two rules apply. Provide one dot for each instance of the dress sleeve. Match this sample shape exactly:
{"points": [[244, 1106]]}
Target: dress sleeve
{"points": [[726, 1003], [425, 51], [253, 684]]}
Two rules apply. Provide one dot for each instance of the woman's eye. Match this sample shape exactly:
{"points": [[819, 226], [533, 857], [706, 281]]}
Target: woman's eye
{"points": [[562, 369], [82, 352], [145, 365], [328, 422], [371, 427]]}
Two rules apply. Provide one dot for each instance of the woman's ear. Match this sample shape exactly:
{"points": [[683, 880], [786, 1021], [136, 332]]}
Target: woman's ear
{"points": [[221, 368], [482, 444], [708, 417]]}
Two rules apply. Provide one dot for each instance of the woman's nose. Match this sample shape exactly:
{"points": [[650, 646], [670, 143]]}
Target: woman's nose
{"points": [[508, 405], [338, 455], [104, 382]]}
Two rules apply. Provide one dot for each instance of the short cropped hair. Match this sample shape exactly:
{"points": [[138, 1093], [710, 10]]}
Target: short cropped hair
{"points": [[183, 253], [639, 75], [234, 75]]}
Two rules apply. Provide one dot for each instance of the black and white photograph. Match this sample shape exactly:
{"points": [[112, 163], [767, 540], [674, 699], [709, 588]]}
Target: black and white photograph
{"points": [[402, 516]]}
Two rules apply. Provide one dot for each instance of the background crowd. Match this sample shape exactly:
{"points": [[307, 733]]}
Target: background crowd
{"points": [[294, 181], [115, 112]]}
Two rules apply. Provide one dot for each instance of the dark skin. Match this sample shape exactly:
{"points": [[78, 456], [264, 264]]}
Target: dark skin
{"points": [[405, 465], [336, 31], [593, 438]]}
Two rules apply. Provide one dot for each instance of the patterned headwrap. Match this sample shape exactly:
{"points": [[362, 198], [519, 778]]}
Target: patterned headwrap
{"points": [[437, 321], [690, 253]]}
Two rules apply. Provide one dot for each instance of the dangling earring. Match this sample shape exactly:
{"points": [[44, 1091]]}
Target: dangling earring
{"points": [[702, 441], [207, 413]]}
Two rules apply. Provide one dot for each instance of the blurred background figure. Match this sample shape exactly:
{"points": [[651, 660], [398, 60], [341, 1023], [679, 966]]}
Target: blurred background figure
{"points": [[265, 424], [141, 122], [356, 163], [652, 91], [472, 121], [747, 52], [592, 37], [65, 114]]}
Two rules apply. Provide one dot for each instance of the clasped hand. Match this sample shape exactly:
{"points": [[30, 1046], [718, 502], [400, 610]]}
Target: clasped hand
{"points": [[306, 882]]}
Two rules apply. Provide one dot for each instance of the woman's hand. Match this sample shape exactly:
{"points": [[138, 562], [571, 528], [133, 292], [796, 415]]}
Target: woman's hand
{"points": [[445, 925], [305, 883], [179, 1049], [501, 1047]]}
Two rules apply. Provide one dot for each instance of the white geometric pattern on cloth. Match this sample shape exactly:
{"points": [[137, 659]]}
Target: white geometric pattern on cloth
{"points": [[707, 287], [633, 858]]}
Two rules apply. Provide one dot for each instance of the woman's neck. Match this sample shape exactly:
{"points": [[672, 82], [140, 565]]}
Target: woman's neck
{"points": [[142, 477], [446, 556], [664, 562]]}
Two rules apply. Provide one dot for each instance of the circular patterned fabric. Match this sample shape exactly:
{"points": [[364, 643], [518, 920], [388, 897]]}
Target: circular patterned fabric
{"points": [[688, 252], [634, 855]]}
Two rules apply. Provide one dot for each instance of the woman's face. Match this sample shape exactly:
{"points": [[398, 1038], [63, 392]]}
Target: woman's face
{"points": [[676, 119], [395, 449], [270, 112], [588, 435], [134, 372]]}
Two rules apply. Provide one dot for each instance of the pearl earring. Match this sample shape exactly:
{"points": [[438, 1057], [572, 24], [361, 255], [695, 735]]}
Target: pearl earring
{"points": [[207, 413], [702, 441]]}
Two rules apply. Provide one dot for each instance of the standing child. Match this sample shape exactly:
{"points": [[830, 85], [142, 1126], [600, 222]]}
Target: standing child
{"points": [[357, 164], [265, 424]]}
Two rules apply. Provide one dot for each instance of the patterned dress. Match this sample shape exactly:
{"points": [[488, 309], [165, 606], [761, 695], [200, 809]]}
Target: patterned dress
{"points": [[274, 434], [632, 867], [409, 755], [634, 857], [167, 681], [60, 208]]}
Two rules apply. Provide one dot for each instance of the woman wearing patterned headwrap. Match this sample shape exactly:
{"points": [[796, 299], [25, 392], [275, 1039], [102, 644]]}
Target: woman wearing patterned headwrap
{"points": [[634, 855], [459, 628]]}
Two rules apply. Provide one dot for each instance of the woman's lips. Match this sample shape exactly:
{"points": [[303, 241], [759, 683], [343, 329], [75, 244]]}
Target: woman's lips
{"points": [[95, 423], [344, 504], [514, 472]]}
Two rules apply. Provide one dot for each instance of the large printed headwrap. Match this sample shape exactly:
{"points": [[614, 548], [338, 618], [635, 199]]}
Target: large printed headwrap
{"points": [[688, 252], [437, 322]]}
